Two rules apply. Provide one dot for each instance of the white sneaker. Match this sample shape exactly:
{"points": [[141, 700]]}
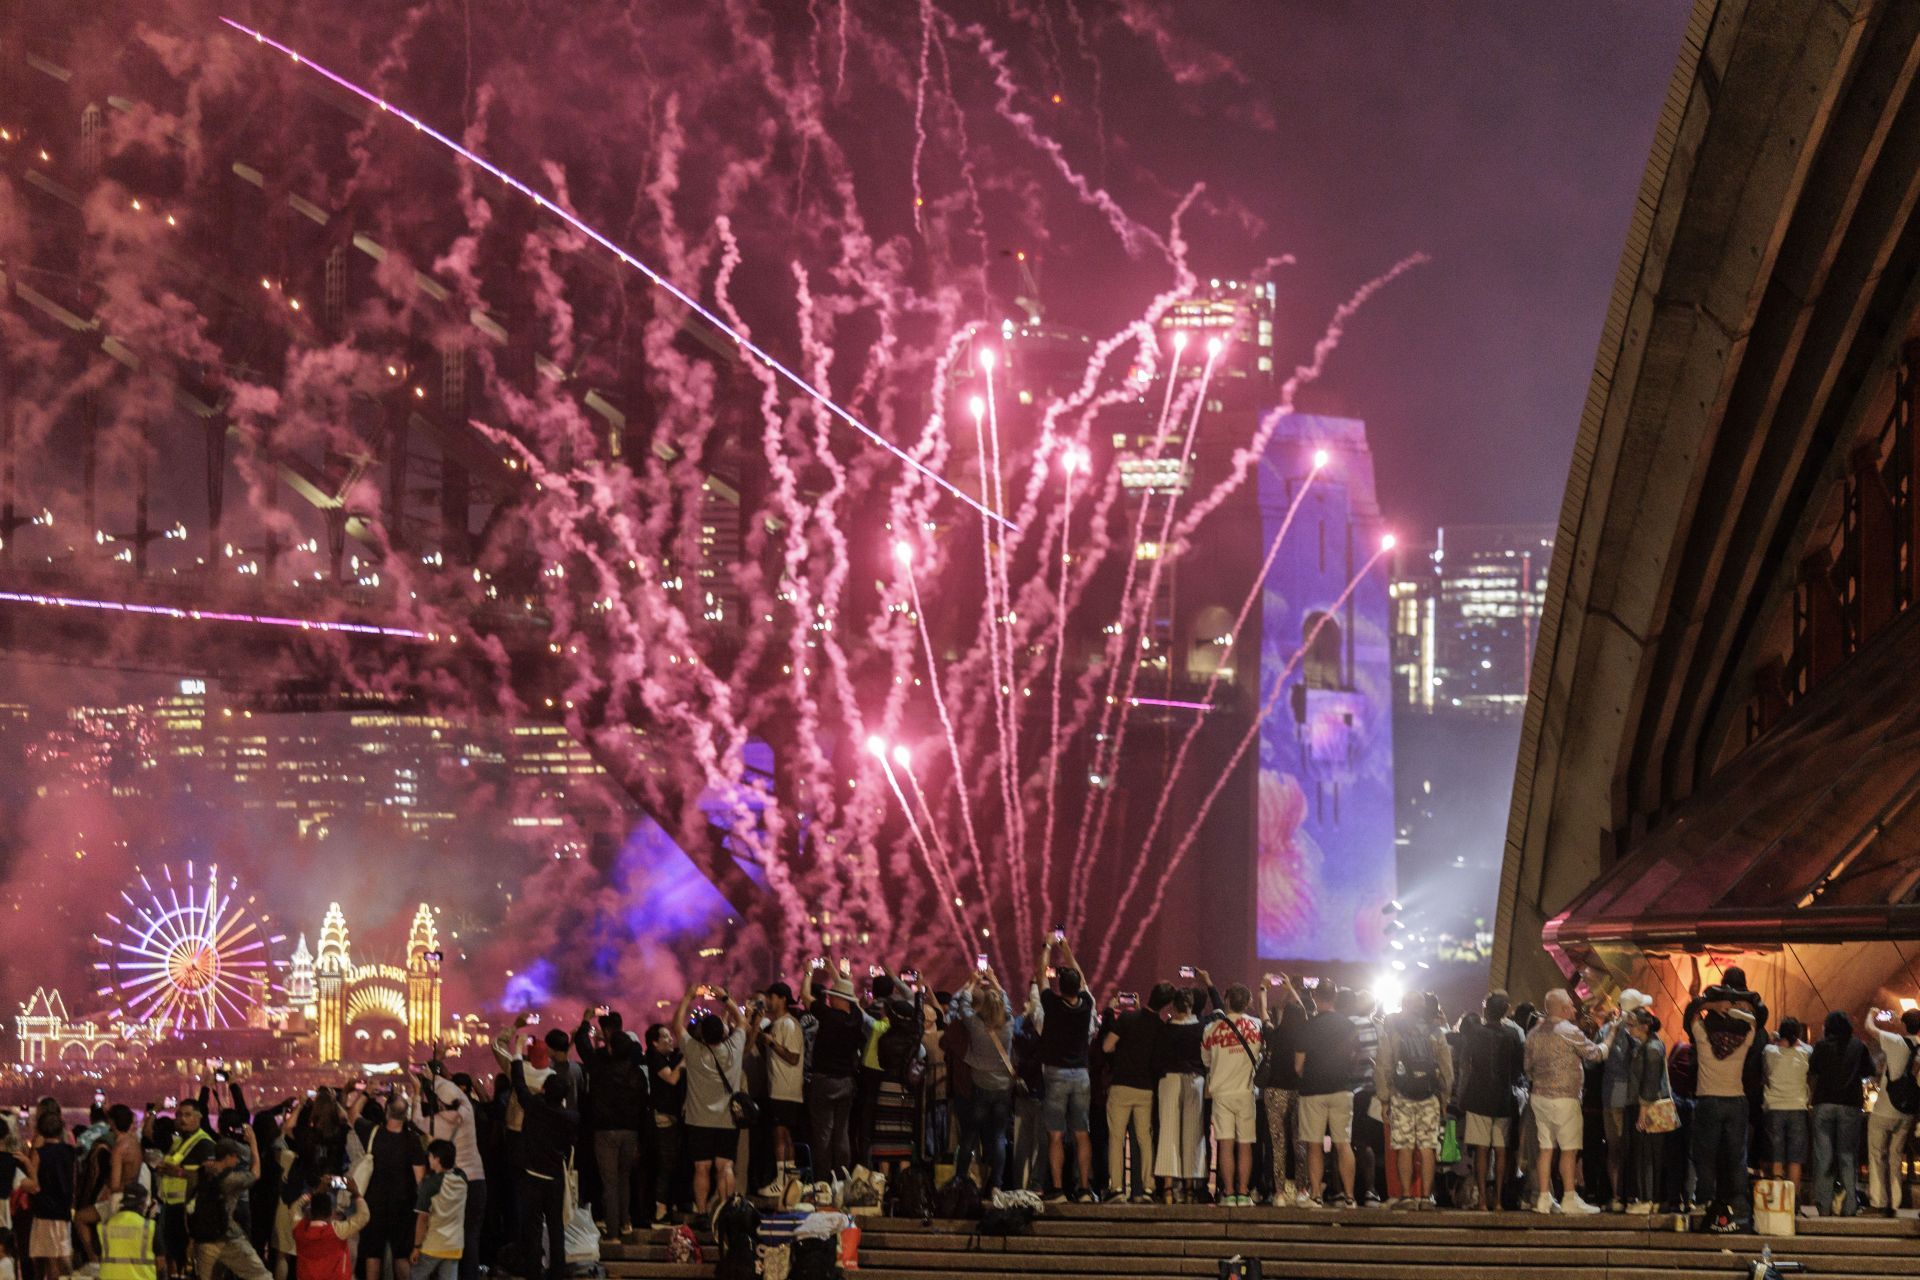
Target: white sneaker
{"points": [[773, 1190], [1545, 1204], [1572, 1203]]}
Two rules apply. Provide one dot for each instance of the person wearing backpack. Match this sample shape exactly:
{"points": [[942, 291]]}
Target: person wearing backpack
{"points": [[218, 1238], [1414, 1073], [1890, 1123]]}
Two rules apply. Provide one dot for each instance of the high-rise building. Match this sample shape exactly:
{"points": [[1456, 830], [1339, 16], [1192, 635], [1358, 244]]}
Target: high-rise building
{"points": [[1492, 583]]}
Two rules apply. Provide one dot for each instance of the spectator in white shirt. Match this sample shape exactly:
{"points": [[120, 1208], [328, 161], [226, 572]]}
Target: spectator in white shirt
{"points": [[1789, 1124], [1888, 1127]]}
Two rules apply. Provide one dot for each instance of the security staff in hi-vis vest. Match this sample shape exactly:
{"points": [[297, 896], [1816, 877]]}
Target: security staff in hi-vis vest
{"points": [[192, 1144], [126, 1239]]}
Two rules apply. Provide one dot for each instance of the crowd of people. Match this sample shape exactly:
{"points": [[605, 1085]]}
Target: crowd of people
{"points": [[1292, 1093]]}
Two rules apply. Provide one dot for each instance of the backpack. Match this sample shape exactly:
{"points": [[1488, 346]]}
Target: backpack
{"points": [[207, 1218], [958, 1201], [910, 1194], [1904, 1091], [1416, 1070], [736, 1230], [814, 1259], [1013, 1220], [900, 1050]]}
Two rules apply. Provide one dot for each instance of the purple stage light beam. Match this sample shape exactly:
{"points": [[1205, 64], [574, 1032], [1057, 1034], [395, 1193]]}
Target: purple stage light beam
{"points": [[659, 281]]}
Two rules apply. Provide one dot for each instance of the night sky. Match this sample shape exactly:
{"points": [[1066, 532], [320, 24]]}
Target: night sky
{"points": [[1505, 139]]}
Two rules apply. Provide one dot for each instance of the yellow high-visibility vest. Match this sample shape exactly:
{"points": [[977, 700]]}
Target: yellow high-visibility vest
{"points": [[173, 1186], [126, 1247]]}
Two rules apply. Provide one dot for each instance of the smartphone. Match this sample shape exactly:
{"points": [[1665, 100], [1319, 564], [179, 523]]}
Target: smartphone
{"points": [[1128, 999], [910, 976], [818, 962], [1051, 973], [874, 970], [603, 1009], [171, 1104], [220, 1076], [533, 1019], [337, 1183], [1059, 933], [312, 1094], [1186, 971], [1311, 984], [980, 963], [99, 1097]]}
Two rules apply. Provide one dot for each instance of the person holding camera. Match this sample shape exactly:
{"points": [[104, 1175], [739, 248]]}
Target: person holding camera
{"points": [[330, 1216], [549, 1128]]}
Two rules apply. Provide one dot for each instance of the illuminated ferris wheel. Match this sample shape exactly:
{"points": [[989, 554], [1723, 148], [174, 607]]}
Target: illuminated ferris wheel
{"points": [[188, 953]]}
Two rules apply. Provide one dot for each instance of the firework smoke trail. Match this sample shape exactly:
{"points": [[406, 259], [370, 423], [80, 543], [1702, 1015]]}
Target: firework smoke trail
{"points": [[659, 281], [1249, 454], [949, 893], [903, 555], [1206, 806], [1213, 680], [1072, 460], [1123, 711], [1003, 635], [920, 105], [904, 758], [1132, 235]]}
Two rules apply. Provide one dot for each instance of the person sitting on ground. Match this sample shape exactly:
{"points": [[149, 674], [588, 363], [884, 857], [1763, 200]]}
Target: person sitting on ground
{"points": [[320, 1236], [1414, 1073], [1555, 1053], [1229, 1048]]}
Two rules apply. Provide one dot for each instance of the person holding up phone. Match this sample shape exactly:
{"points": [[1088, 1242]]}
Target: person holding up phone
{"points": [[1128, 1039], [1066, 1023], [980, 1006]]}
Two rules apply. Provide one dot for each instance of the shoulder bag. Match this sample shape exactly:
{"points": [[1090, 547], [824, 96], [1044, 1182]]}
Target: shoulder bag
{"points": [[741, 1108]]}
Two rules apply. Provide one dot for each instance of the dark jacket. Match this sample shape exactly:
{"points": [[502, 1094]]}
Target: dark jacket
{"points": [[1491, 1063], [1649, 1071], [616, 1081], [547, 1130], [1836, 1072]]}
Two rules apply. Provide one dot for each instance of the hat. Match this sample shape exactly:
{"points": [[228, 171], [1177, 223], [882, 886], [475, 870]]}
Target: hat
{"points": [[134, 1197], [842, 988], [1632, 1001], [537, 1056]]}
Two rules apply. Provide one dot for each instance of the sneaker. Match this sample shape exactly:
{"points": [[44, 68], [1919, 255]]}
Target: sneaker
{"points": [[1142, 1198], [1572, 1203], [1399, 1202], [1545, 1204], [1289, 1192], [1303, 1200], [773, 1190], [1341, 1201], [1084, 1196], [1639, 1207], [1615, 1206]]}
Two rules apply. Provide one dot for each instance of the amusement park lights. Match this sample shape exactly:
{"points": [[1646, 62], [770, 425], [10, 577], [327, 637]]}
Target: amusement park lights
{"points": [[659, 281]]}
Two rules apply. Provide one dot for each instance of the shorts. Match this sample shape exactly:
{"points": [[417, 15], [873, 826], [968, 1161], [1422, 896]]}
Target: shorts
{"points": [[388, 1228], [1485, 1131], [1233, 1118], [1413, 1125], [1557, 1123], [706, 1145], [788, 1115], [432, 1268], [1789, 1134], [1069, 1095], [52, 1238], [1326, 1115]]}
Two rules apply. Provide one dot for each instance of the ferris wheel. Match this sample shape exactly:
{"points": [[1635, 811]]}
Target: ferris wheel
{"points": [[188, 953]]}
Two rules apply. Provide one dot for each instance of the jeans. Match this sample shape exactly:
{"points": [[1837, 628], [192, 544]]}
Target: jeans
{"points": [[1028, 1143], [830, 1108], [1720, 1154], [1069, 1099], [436, 1268], [472, 1227], [1887, 1135], [986, 1117], [1836, 1138], [617, 1151], [543, 1201]]}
